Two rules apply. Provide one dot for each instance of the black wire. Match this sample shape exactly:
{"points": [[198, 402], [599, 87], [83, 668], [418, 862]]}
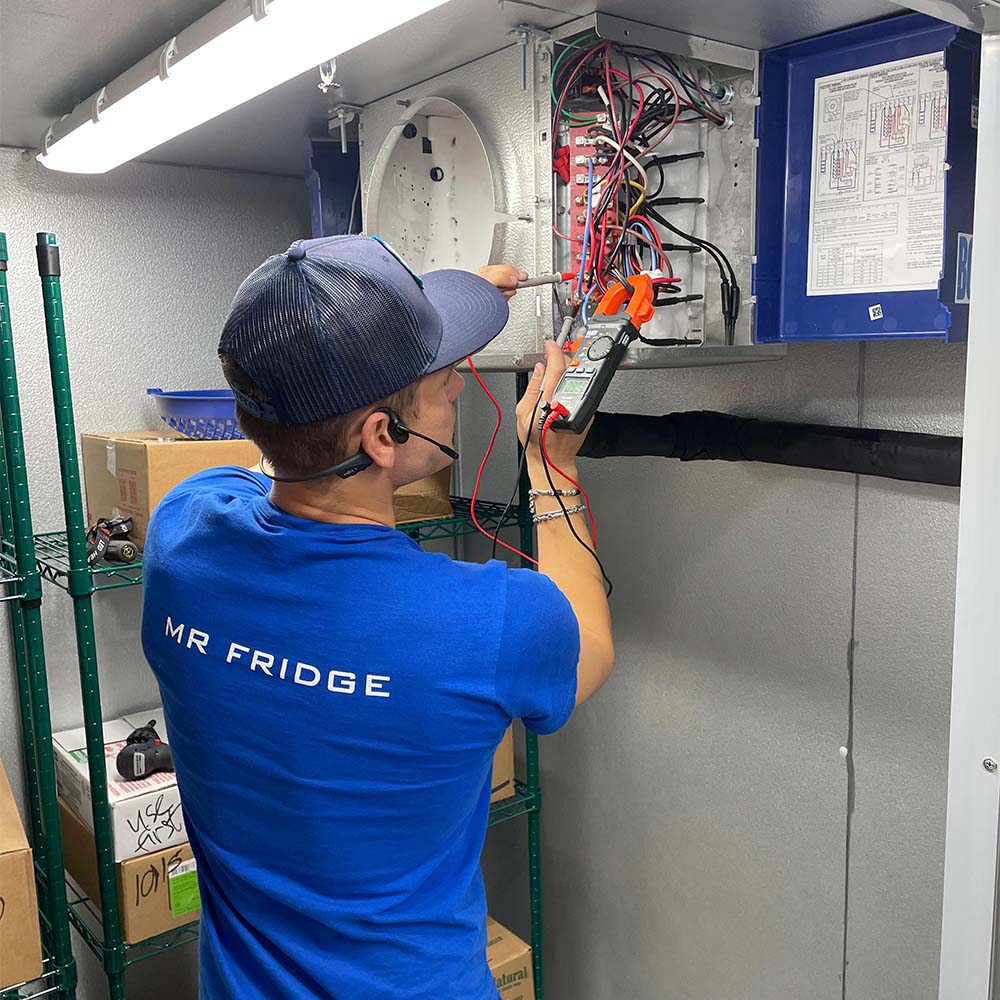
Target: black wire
{"points": [[629, 88], [517, 478], [730, 289], [720, 258], [568, 517]]}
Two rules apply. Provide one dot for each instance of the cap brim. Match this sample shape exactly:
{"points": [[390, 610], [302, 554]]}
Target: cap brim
{"points": [[472, 310]]}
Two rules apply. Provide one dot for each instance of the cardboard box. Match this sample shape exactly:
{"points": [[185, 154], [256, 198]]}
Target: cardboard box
{"points": [[128, 474], [425, 499], [502, 786], [509, 960], [146, 815], [156, 892], [20, 940]]}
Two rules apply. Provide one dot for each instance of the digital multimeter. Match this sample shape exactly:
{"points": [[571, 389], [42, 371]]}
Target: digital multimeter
{"points": [[591, 367], [598, 353]]}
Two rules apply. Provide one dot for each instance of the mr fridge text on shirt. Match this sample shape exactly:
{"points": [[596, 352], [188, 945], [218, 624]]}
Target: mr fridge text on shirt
{"points": [[283, 668]]}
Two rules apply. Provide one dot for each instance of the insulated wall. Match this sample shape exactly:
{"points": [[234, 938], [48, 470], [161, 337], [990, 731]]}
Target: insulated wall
{"points": [[695, 817], [151, 257]]}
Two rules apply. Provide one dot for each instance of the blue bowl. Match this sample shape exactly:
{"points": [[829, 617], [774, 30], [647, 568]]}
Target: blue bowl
{"points": [[204, 414]]}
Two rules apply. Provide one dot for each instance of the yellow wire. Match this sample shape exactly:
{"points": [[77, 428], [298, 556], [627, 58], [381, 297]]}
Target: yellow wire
{"points": [[642, 197]]}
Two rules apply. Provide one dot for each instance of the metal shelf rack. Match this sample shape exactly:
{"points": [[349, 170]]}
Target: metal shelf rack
{"points": [[21, 588], [60, 558]]}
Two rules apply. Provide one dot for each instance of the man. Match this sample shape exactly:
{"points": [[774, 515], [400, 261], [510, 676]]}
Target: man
{"points": [[335, 694]]}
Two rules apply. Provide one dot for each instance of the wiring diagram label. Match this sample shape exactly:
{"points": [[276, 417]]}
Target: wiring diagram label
{"points": [[876, 200]]}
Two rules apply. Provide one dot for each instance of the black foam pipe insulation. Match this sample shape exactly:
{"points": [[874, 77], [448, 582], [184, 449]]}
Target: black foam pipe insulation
{"points": [[703, 435]]}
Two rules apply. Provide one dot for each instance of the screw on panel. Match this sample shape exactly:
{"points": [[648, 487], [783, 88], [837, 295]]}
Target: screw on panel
{"points": [[524, 34], [522, 41], [990, 764]]}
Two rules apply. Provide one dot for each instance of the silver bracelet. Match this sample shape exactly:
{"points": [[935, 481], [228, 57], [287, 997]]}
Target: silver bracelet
{"points": [[553, 514], [548, 493]]}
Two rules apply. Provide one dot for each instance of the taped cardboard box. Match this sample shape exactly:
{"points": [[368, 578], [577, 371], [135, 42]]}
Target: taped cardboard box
{"points": [[502, 786], [146, 815], [128, 474], [509, 959], [156, 892], [20, 941]]}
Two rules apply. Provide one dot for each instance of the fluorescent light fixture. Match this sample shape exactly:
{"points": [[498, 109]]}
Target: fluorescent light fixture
{"points": [[240, 49]]}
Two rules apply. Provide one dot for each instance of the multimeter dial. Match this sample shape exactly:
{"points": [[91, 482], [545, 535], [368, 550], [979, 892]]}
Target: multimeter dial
{"points": [[600, 348]]}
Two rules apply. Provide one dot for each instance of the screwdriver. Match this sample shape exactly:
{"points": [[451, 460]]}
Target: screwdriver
{"points": [[547, 279]]}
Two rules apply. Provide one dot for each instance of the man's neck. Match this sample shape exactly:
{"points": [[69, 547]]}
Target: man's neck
{"points": [[363, 499]]}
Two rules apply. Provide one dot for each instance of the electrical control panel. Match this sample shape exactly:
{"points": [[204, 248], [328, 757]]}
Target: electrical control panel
{"points": [[742, 198]]}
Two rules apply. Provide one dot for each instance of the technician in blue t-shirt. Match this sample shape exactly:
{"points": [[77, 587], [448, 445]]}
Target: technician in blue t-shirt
{"points": [[334, 693]]}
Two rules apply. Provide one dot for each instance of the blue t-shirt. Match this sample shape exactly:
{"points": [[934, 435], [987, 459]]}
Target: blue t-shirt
{"points": [[334, 696]]}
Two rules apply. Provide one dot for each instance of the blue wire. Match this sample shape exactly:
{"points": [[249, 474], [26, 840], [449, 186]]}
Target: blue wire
{"points": [[583, 305], [652, 238], [586, 232]]}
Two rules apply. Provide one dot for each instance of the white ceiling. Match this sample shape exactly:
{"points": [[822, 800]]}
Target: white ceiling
{"points": [[54, 53]]}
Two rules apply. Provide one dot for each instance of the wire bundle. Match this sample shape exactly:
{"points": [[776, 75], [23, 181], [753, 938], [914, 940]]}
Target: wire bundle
{"points": [[645, 96]]}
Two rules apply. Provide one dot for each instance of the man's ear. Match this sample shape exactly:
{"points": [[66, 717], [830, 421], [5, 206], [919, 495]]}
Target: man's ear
{"points": [[376, 441]]}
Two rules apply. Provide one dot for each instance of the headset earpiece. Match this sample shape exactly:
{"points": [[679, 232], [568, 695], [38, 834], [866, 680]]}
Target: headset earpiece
{"points": [[400, 433], [397, 431]]}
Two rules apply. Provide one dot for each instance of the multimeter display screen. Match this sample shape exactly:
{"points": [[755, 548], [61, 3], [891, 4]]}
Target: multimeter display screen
{"points": [[574, 386]]}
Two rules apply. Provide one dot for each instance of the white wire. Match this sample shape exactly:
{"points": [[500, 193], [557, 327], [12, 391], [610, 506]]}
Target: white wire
{"points": [[628, 156]]}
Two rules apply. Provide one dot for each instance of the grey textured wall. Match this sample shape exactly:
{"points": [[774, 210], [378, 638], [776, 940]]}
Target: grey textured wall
{"points": [[696, 810], [151, 257]]}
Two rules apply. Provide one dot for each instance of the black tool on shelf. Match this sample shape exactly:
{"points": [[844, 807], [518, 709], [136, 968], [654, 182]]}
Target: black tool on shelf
{"points": [[144, 754], [108, 541]]}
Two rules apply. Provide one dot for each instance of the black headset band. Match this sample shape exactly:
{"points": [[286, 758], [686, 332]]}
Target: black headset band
{"points": [[360, 461]]}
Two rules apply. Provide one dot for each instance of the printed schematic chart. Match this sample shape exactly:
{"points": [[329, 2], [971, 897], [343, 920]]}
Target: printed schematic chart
{"points": [[876, 202]]}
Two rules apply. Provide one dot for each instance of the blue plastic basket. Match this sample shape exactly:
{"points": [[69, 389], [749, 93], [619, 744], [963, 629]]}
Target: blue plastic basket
{"points": [[205, 414]]}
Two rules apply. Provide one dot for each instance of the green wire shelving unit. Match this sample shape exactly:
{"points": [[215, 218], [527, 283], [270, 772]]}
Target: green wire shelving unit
{"points": [[21, 588], [62, 560]]}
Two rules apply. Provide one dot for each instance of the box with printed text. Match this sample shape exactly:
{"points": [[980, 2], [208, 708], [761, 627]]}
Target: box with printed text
{"points": [[509, 959]]}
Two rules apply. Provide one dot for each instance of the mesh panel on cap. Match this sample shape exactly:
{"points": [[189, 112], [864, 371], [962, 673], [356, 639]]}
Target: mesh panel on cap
{"points": [[321, 338]]}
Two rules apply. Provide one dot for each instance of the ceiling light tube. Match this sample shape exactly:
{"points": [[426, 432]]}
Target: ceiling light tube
{"points": [[237, 51]]}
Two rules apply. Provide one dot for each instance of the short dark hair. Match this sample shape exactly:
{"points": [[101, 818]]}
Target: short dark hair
{"points": [[301, 449]]}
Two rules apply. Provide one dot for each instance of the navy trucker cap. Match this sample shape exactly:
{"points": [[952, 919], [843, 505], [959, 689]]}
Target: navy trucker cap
{"points": [[337, 323]]}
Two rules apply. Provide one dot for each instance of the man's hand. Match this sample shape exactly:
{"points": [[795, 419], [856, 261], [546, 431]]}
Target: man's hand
{"points": [[504, 276], [562, 446]]}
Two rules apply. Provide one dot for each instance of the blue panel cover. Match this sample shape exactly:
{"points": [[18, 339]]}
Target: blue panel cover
{"points": [[784, 130], [331, 177]]}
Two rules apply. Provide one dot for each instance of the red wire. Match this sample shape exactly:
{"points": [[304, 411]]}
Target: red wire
{"points": [[611, 97], [569, 479], [482, 465]]}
